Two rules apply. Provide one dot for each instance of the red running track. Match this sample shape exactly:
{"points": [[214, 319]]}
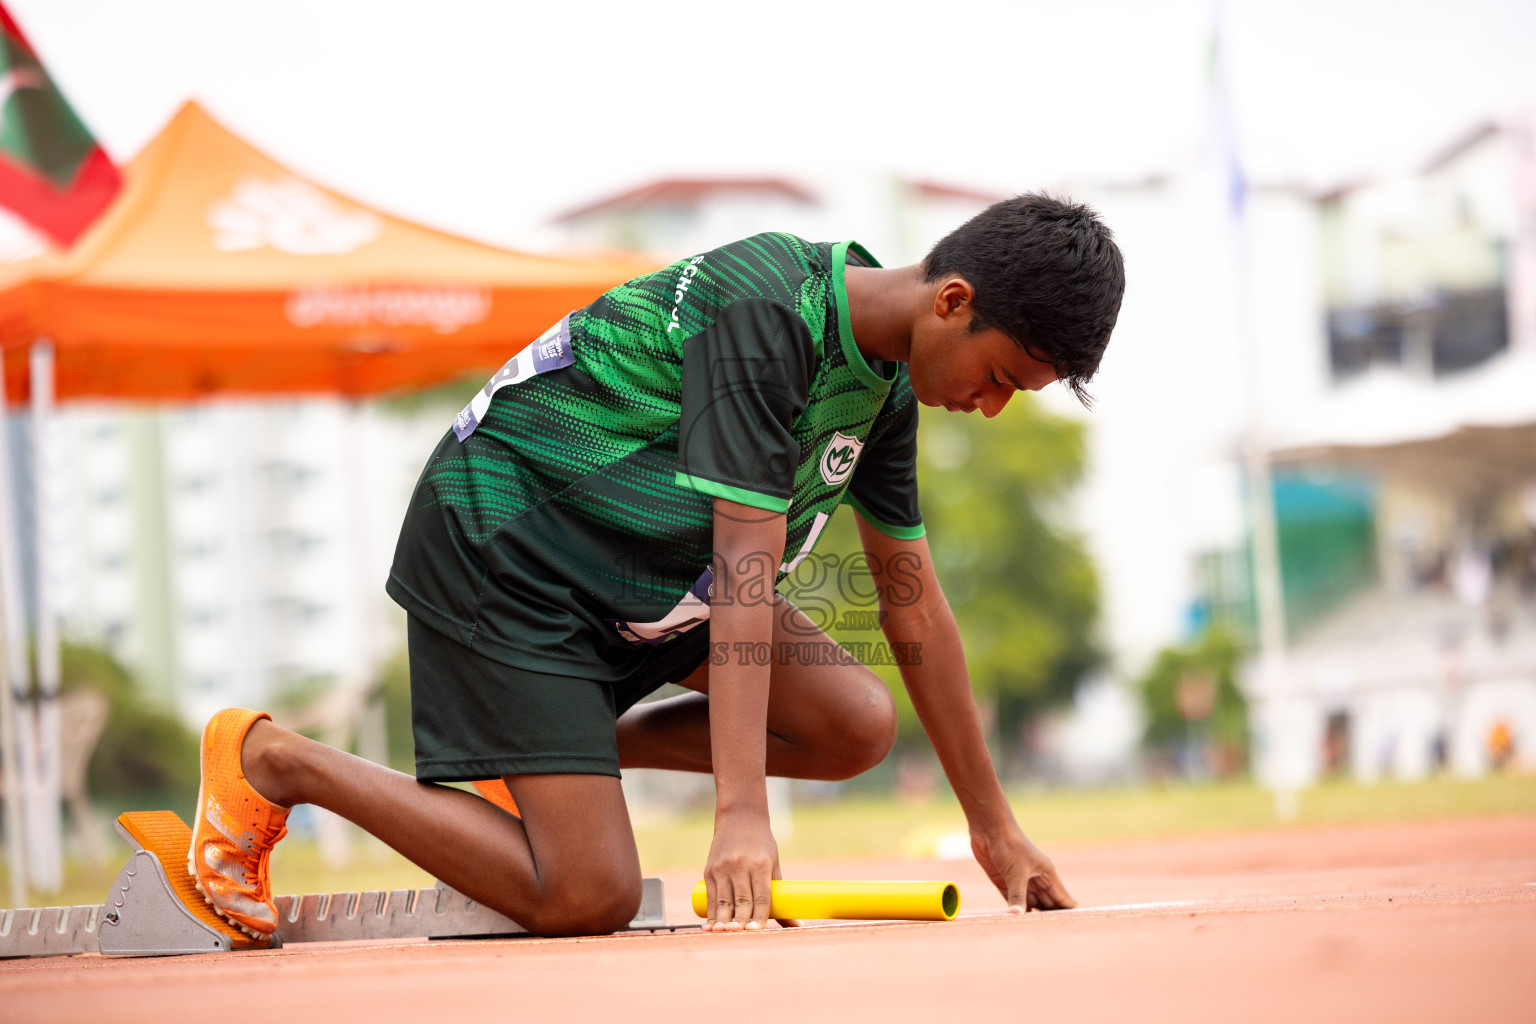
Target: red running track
{"points": [[1424, 922]]}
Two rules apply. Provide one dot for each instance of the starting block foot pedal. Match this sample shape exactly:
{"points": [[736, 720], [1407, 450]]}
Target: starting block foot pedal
{"points": [[154, 908]]}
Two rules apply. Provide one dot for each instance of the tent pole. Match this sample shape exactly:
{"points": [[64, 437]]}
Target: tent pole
{"points": [[15, 856], [48, 867], [13, 679]]}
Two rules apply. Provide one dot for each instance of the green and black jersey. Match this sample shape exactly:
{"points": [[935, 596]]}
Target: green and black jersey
{"points": [[565, 524]]}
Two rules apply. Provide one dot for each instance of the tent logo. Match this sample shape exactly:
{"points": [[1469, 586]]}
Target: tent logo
{"points": [[444, 310], [290, 216]]}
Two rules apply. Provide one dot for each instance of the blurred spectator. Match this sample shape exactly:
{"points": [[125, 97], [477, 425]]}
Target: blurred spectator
{"points": [[1501, 745]]}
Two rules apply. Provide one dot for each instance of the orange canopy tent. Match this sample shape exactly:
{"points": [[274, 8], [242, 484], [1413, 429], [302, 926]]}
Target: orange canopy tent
{"points": [[219, 270]]}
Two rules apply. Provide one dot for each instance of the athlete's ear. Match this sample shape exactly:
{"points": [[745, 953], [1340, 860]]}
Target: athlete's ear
{"points": [[955, 295]]}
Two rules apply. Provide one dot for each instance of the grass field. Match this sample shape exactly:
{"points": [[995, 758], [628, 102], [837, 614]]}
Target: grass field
{"points": [[867, 827], [881, 827]]}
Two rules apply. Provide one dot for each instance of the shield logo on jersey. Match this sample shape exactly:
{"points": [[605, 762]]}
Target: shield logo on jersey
{"points": [[838, 460]]}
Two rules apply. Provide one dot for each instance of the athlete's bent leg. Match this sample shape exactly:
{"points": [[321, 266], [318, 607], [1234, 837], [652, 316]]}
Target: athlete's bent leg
{"points": [[828, 717], [568, 867]]}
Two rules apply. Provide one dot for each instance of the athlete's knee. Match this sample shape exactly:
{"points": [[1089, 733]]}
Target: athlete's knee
{"points": [[868, 730], [591, 902]]}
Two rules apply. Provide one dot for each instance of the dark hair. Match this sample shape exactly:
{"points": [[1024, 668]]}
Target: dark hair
{"points": [[1046, 272]]}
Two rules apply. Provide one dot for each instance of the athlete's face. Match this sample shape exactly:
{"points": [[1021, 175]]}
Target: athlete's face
{"points": [[963, 371]]}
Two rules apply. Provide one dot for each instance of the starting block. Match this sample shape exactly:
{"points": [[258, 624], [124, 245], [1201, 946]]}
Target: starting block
{"points": [[154, 909]]}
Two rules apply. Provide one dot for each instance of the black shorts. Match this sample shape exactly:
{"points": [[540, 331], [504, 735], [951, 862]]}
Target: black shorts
{"points": [[475, 718]]}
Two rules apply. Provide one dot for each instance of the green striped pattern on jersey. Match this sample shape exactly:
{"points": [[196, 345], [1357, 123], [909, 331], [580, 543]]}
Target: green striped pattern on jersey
{"points": [[568, 490]]}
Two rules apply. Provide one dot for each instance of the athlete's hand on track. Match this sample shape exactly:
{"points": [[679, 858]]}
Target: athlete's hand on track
{"points": [[1025, 876], [743, 860]]}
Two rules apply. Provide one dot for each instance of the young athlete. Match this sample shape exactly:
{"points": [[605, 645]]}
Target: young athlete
{"points": [[613, 511]]}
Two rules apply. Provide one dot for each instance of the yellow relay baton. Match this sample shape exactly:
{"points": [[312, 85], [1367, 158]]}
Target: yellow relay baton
{"points": [[856, 901]]}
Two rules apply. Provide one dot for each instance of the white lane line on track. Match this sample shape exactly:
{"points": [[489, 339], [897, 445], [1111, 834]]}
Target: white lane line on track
{"points": [[1165, 905]]}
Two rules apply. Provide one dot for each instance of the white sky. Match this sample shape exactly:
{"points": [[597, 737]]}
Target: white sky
{"points": [[487, 118]]}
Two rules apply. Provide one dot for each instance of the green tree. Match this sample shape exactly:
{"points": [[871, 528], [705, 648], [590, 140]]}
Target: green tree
{"points": [[394, 688], [1195, 712], [1022, 586], [146, 757]]}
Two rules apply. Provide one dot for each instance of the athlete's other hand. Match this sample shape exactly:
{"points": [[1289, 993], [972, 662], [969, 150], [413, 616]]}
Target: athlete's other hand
{"points": [[1025, 876], [743, 861]]}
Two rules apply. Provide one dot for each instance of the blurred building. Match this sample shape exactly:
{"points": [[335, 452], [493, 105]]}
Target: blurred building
{"points": [[1417, 269], [897, 218], [232, 552], [1413, 573], [677, 215]]}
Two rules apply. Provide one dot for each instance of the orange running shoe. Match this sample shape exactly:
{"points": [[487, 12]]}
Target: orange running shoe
{"points": [[234, 829]]}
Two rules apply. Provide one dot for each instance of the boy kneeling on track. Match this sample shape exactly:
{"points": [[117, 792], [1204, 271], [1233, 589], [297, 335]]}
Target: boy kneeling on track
{"points": [[613, 512]]}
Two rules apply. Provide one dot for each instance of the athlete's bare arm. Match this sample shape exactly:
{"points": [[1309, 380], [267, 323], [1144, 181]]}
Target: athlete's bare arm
{"points": [[743, 858], [917, 614]]}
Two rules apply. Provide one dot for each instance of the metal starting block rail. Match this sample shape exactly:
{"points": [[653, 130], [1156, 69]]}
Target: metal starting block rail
{"points": [[154, 909]]}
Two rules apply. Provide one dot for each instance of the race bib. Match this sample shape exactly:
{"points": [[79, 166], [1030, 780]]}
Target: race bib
{"points": [[550, 351]]}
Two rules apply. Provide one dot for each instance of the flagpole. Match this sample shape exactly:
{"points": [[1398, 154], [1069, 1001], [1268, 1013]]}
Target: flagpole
{"points": [[48, 864], [12, 672], [32, 752], [1269, 688]]}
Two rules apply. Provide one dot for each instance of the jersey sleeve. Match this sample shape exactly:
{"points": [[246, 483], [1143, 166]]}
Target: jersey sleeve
{"points": [[884, 485], [746, 378]]}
